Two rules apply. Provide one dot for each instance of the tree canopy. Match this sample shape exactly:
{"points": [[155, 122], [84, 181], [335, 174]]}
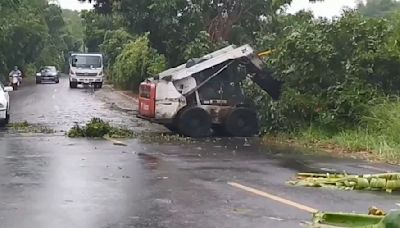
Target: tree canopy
{"points": [[173, 24], [33, 33]]}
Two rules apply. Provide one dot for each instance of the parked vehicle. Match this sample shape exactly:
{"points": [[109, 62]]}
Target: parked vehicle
{"points": [[4, 104], [86, 69], [205, 95], [48, 73]]}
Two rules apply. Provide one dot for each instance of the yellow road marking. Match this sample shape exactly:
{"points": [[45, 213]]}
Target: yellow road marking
{"points": [[273, 197]]}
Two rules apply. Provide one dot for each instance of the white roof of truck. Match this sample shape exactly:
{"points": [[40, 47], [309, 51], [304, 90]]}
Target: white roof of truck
{"points": [[87, 54], [210, 60]]}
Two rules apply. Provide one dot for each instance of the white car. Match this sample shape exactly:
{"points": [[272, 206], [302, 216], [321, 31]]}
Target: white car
{"points": [[4, 104]]}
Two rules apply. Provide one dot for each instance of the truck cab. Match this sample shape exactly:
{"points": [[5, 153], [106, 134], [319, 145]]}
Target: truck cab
{"points": [[86, 69]]}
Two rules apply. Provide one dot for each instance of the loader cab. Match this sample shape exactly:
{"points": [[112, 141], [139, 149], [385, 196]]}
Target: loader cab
{"points": [[224, 89]]}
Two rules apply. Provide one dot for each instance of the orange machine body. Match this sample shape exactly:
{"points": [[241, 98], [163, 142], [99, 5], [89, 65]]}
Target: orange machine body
{"points": [[147, 100]]}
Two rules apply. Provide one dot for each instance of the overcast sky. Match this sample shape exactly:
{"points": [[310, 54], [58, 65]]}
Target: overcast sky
{"points": [[328, 8], [74, 4]]}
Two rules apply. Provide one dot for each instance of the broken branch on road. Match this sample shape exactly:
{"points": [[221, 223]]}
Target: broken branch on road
{"points": [[350, 220], [378, 182], [98, 128]]}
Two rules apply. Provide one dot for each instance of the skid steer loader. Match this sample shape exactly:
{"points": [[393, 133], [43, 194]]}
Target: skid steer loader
{"points": [[204, 96]]}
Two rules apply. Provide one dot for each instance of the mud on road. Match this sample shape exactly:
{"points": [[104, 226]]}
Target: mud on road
{"points": [[49, 180]]}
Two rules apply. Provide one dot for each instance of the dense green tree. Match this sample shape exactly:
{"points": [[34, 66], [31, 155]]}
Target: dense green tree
{"points": [[32, 33], [23, 34], [333, 71], [137, 61], [96, 26], [73, 22], [113, 44]]}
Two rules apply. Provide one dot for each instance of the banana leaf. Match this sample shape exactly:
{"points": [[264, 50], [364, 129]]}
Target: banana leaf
{"points": [[344, 220], [388, 181]]}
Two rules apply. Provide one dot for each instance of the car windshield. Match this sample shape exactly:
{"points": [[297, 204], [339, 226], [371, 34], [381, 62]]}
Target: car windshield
{"points": [[50, 69], [81, 61]]}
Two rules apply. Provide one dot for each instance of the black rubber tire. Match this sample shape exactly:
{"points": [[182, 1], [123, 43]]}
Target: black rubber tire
{"points": [[73, 85], [219, 130], [194, 122], [7, 121], [38, 81], [57, 81], [4, 122], [242, 122], [100, 85], [172, 127]]}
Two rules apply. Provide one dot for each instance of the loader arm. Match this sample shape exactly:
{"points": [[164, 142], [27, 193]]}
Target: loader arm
{"points": [[266, 82], [255, 67], [263, 77]]}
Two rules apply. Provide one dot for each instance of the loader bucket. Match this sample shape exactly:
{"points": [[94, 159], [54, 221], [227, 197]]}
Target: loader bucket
{"points": [[270, 85]]}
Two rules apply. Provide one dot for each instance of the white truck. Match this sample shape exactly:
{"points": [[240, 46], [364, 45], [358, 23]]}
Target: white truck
{"points": [[86, 69], [205, 95]]}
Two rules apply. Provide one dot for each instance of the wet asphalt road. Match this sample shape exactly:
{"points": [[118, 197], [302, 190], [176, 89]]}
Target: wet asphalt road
{"points": [[51, 181]]}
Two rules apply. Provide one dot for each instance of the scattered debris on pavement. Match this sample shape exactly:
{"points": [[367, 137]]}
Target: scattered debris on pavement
{"points": [[25, 127], [386, 181], [344, 220], [164, 138]]}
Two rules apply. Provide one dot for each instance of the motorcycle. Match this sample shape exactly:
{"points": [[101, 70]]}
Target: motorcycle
{"points": [[15, 81]]}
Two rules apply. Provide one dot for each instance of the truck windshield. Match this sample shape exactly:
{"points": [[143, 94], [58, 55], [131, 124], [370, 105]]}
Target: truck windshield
{"points": [[86, 61]]}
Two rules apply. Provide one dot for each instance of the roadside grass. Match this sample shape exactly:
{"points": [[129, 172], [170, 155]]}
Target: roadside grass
{"points": [[377, 138]]}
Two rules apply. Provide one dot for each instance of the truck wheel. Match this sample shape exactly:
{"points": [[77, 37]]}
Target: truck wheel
{"points": [[194, 122], [242, 122], [38, 81], [98, 85], [73, 85]]}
